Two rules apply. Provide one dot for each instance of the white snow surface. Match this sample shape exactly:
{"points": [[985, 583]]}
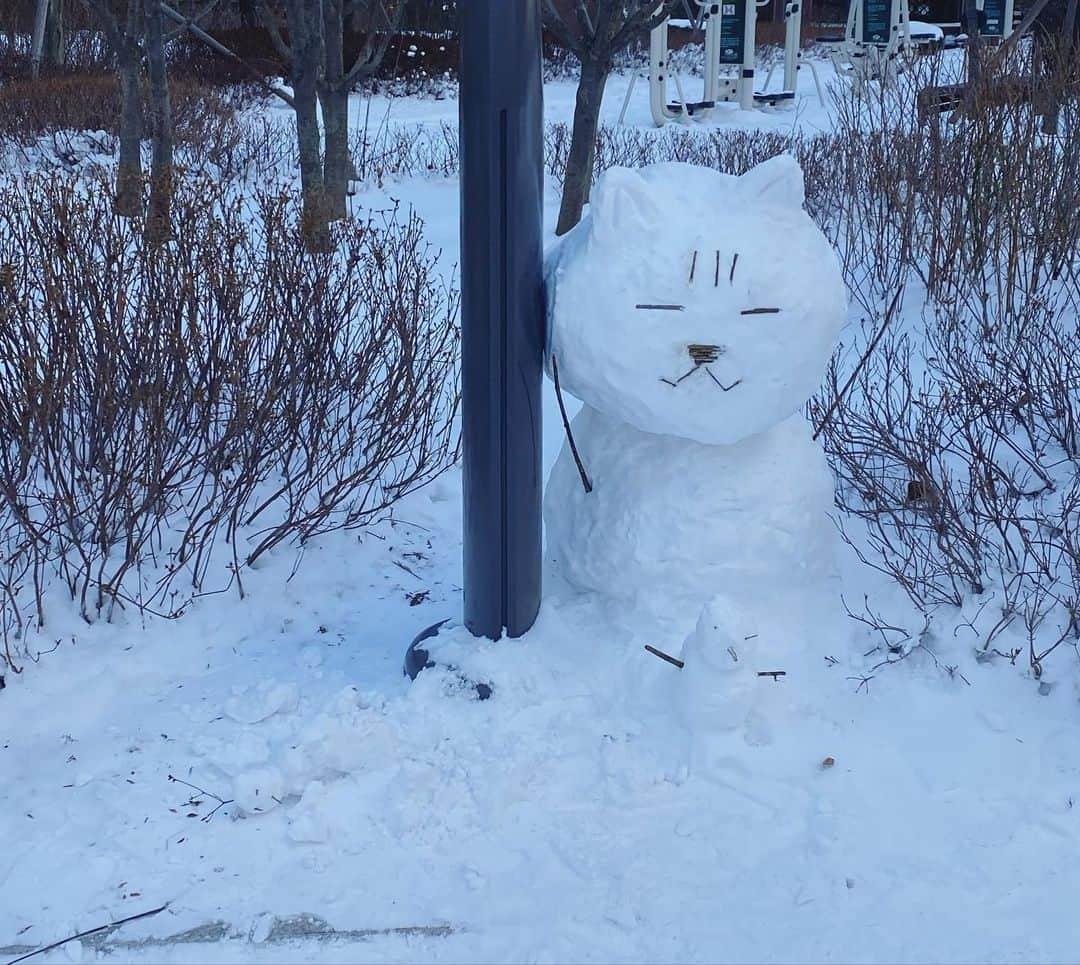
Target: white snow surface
{"points": [[603, 805]]}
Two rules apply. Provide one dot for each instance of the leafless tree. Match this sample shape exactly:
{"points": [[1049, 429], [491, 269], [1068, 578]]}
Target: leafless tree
{"points": [[125, 39], [161, 164], [141, 37], [48, 36], [974, 40], [315, 51], [594, 30]]}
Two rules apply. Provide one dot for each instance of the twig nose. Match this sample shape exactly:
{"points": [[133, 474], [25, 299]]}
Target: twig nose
{"points": [[703, 354]]}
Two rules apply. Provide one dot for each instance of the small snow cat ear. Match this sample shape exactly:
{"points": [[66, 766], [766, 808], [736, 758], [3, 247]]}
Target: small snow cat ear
{"points": [[777, 181], [622, 207]]}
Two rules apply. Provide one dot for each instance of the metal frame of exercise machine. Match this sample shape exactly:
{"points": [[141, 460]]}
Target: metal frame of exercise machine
{"points": [[730, 28], [999, 18], [877, 33]]}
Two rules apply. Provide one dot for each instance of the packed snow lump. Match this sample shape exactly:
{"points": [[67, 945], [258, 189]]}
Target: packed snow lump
{"points": [[693, 313]]}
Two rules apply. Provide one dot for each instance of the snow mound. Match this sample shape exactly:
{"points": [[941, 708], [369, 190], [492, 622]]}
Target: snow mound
{"points": [[274, 762], [721, 691], [931, 30]]}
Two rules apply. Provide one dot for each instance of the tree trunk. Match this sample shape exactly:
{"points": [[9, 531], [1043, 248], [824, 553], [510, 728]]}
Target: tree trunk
{"points": [[1057, 66], [37, 36], [1068, 29], [334, 100], [974, 42], [312, 186], [579, 166], [54, 53], [337, 163], [128, 201], [306, 37], [161, 170]]}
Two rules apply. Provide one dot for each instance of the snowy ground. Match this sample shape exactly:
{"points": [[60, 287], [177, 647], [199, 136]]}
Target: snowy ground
{"points": [[573, 816]]}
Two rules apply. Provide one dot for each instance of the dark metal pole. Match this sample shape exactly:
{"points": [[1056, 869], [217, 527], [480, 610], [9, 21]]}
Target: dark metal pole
{"points": [[501, 102]]}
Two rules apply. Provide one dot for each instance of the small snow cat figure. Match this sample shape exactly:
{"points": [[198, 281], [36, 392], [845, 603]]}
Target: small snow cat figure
{"points": [[693, 313]]}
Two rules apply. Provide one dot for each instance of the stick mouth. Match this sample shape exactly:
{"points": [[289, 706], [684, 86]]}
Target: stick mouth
{"points": [[703, 355]]}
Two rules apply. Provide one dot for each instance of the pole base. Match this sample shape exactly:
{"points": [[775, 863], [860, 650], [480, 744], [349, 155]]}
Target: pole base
{"points": [[417, 658]]}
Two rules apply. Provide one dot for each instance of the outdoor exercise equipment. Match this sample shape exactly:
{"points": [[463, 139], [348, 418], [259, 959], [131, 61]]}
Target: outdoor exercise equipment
{"points": [[997, 18], [729, 29], [961, 97], [877, 35]]}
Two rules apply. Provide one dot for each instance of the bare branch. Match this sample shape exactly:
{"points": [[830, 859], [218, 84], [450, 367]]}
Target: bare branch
{"points": [[558, 27], [585, 24], [198, 17], [103, 12], [642, 20], [375, 44], [199, 34], [272, 25]]}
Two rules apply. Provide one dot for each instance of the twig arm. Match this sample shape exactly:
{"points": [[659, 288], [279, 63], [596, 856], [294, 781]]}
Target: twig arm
{"points": [[585, 481]]}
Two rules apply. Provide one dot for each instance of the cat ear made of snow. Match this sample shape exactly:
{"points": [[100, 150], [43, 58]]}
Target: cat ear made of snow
{"points": [[776, 181], [622, 207]]}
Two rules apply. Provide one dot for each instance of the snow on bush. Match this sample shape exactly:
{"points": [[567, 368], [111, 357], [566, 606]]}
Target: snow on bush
{"points": [[168, 416], [957, 447]]}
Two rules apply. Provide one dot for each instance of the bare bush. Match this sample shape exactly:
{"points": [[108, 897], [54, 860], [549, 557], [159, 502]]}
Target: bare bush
{"points": [[383, 150], [170, 415], [30, 109], [956, 446], [216, 133], [58, 121], [82, 52]]}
